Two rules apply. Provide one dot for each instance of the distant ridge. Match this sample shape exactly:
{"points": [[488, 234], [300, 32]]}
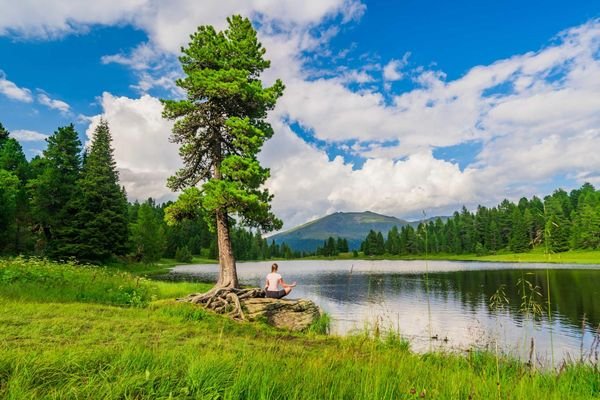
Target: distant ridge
{"points": [[353, 226]]}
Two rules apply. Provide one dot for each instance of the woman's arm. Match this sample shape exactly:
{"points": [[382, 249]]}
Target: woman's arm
{"points": [[285, 285]]}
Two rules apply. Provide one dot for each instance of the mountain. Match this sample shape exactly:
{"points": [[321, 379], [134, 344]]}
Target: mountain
{"points": [[353, 226]]}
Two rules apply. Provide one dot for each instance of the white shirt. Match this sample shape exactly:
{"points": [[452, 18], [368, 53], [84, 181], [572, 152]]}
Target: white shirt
{"points": [[273, 281]]}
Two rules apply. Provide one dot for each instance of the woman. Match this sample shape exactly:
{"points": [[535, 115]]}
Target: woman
{"points": [[273, 282]]}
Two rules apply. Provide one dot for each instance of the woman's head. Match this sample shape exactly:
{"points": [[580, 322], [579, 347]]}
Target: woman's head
{"points": [[274, 267]]}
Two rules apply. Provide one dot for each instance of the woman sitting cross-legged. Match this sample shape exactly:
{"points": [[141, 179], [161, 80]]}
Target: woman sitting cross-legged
{"points": [[274, 280]]}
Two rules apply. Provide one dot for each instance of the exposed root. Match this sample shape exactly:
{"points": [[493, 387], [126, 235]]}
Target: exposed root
{"points": [[225, 300]]}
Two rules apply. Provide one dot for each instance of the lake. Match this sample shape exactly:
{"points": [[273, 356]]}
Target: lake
{"points": [[445, 305]]}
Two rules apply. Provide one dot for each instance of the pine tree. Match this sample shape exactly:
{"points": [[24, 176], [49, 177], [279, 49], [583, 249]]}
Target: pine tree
{"points": [[12, 159], [101, 220], [392, 245], [585, 231], [54, 190], [3, 134], [9, 191], [221, 126], [557, 232], [519, 238], [148, 234]]}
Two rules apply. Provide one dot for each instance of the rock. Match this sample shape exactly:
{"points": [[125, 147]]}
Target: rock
{"points": [[295, 315]]}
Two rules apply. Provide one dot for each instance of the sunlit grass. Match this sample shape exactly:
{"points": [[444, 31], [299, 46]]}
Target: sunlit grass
{"points": [[53, 347], [535, 256]]}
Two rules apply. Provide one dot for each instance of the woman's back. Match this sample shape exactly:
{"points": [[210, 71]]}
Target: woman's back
{"points": [[273, 281]]}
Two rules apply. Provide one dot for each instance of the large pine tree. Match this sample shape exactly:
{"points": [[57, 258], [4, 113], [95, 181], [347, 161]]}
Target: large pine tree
{"points": [[101, 222], [221, 126]]}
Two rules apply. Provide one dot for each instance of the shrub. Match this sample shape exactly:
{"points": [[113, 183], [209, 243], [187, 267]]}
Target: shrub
{"points": [[183, 254]]}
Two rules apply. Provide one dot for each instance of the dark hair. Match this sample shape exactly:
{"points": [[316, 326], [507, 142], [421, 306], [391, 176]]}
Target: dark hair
{"points": [[274, 267]]}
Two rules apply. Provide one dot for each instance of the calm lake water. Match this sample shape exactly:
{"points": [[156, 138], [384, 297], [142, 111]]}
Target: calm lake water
{"points": [[452, 305]]}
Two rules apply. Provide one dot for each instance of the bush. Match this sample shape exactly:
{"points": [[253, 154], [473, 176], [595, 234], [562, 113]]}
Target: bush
{"points": [[480, 250], [42, 280], [183, 254]]}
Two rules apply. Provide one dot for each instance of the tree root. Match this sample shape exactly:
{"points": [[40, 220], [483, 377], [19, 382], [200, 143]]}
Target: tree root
{"points": [[225, 300]]}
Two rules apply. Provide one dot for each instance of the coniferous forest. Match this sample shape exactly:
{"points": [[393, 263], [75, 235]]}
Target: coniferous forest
{"points": [[68, 203], [560, 222]]}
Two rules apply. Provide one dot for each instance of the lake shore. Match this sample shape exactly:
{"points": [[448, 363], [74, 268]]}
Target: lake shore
{"points": [[124, 337], [535, 256]]}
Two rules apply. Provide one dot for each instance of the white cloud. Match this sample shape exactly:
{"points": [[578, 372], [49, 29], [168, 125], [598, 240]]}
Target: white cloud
{"points": [[51, 19], [12, 91], [545, 126], [54, 104], [307, 184], [24, 135], [145, 157], [392, 71], [540, 129], [168, 23]]}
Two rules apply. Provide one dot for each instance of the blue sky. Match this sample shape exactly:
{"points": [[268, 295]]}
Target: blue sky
{"points": [[395, 107]]}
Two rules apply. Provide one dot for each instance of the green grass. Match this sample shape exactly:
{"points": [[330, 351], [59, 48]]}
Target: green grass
{"points": [[43, 281], [55, 348], [535, 256]]}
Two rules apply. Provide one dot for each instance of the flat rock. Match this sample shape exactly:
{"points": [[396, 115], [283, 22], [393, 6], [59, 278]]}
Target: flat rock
{"points": [[295, 315]]}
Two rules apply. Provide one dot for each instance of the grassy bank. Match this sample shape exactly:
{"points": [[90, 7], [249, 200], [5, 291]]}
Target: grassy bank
{"points": [[70, 332], [535, 256]]}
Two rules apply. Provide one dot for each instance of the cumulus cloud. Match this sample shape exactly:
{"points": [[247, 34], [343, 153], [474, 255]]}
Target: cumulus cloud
{"points": [[534, 114], [542, 124], [392, 71], [308, 185], [24, 135], [51, 19], [12, 91], [54, 104], [168, 23], [145, 157]]}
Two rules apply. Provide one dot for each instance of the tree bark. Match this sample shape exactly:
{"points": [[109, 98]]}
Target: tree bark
{"points": [[228, 273]]}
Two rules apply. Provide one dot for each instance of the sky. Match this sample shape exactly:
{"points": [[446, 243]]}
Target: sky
{"points": [[403, 108]]}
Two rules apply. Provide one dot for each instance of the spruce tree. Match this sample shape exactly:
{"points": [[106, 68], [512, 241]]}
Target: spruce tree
{"points": [[12, 159], [9, 191], [148, 234], [519, 238], [585, 232], [101, 221], [55, 189], [557, 232], [3, 134]]}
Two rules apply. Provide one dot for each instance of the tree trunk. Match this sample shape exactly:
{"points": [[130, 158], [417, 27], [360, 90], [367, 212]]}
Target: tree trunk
{"points": [[228, 273]]}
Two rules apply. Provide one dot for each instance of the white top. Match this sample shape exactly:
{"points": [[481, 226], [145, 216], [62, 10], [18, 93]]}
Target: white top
{"points": [[273, 281]]}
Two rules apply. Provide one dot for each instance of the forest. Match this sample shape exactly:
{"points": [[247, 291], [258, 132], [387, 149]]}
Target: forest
{"points": [[68, 203], [560, 222]]}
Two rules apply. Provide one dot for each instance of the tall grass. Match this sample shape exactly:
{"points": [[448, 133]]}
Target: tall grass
{"points": [[45, 281], [52, 346], [171, 350]]}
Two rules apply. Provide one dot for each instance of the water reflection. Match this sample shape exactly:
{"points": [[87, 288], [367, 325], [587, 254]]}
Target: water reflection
{"points": [[452, 304]]}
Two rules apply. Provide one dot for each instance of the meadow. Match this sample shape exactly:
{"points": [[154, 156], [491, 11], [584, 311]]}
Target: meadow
{"points": [[72, 331]]}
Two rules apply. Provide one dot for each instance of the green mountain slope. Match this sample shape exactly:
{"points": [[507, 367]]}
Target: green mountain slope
{"points": [[353, 226]]}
